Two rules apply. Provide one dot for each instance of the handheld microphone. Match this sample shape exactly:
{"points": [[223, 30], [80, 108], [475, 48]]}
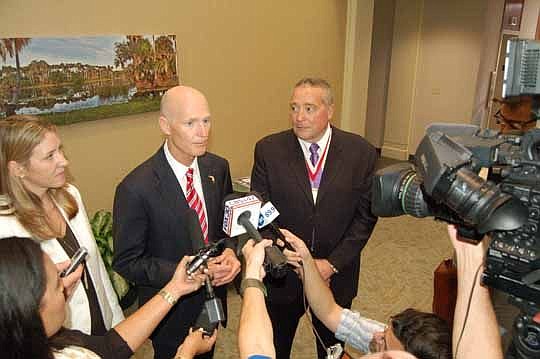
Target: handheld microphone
{"points": [[242, 216], [235, 205], [266, 219], [203, 254], [212, 313]]}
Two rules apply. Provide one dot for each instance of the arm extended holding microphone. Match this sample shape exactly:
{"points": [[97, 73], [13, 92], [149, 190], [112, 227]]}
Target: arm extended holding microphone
{"points": [[275, 261], [241, 215]]}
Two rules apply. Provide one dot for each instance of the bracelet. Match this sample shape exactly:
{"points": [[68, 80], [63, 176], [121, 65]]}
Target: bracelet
{"points": [[169, 298], [252, 282]]}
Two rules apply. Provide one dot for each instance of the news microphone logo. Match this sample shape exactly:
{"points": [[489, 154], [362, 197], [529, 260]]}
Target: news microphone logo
{"points": [[268, 214], [234, 208]]}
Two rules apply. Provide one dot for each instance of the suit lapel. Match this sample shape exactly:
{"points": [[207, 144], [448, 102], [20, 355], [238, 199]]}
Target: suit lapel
{"points": [[332, 166], [167, 185], [297, 164]]}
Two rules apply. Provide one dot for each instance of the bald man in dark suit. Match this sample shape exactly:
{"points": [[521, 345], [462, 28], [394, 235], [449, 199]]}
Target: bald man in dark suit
{"points": [[319, 179], [151, 205]]}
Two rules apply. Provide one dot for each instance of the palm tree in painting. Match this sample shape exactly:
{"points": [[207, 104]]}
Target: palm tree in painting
{"points": [[165, 60], [136, 56], [12, 47]]}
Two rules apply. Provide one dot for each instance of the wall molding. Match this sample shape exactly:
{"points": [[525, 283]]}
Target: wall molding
{"points": [[348, 68]]}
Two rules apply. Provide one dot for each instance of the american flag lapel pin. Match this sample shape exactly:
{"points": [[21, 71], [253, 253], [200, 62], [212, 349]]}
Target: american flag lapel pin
{"points": [[212, 179]]}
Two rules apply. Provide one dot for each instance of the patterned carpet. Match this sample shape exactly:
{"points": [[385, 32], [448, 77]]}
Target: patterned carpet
{"points": [[396, 273]]}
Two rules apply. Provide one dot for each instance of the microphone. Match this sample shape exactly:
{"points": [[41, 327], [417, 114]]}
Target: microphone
{"points": [[212, 313], [203, 253], [235, 205], [266, 218], [241, 215]]}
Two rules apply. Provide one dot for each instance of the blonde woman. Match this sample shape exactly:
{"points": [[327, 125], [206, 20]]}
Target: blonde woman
{"points": [[37, 201]]}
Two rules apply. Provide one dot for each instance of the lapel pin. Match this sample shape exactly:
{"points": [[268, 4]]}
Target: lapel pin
{"points": [[212, 179]]}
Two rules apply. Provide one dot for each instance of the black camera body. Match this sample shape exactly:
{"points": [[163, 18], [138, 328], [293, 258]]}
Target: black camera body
{"points": [[444, 183]]}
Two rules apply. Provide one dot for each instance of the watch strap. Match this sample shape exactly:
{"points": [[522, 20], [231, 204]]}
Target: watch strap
{"points": [[252, 282]]}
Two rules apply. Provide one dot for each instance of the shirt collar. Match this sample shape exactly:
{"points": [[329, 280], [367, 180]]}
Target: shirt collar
{"points": [[322, 142], [178, 168]]}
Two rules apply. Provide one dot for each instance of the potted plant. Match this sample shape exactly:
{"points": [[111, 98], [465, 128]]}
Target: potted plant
{"points": [[101, 225]]}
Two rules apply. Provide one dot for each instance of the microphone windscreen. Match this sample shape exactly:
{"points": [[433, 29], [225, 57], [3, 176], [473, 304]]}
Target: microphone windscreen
{"points": [[234, 207]]}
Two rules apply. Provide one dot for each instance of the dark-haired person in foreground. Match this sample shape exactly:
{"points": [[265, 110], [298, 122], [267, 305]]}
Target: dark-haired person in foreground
{"points": [[423, 334], [33, 308]]}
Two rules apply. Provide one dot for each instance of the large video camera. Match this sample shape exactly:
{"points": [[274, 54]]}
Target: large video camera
{"points": [[444, 182]]}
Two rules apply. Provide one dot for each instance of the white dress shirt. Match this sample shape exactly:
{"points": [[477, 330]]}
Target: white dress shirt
{"points": [[323, 142], [180, 171]]}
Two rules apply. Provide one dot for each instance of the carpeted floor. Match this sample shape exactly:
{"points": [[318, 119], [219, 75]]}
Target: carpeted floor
{"points": [[396, 273]]}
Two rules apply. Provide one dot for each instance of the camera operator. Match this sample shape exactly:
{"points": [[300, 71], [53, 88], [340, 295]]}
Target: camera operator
{"points": [[422, 334], [481, 316]]}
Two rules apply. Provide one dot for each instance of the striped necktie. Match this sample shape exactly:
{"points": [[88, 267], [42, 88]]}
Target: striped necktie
{"points": [[195, 203]]}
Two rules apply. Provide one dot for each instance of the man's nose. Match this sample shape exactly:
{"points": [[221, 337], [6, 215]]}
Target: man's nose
{"points": [[300, 115], [203, 129]]}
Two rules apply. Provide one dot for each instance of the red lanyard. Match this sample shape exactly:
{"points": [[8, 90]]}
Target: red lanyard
{"points": [[313, 175]]}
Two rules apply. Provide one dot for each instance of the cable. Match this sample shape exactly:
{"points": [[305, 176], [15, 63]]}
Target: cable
{"points": [[309, 316], [468, 309]]}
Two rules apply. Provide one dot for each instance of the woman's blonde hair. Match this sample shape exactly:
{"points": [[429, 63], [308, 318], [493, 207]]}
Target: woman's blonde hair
{"points": [[19, 135]]}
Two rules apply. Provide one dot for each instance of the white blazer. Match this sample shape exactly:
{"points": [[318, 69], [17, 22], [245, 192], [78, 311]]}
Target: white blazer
{"points": [[78, 313]]}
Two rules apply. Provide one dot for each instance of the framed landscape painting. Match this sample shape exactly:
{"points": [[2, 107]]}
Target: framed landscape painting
{"points": [[78, 79]]}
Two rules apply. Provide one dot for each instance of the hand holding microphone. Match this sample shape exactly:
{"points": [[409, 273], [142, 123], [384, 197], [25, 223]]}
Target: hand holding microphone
{"points": [[241, 215]]}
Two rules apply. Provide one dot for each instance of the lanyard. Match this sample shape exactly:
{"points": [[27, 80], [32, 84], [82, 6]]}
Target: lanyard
{"points": [[313, 175]]}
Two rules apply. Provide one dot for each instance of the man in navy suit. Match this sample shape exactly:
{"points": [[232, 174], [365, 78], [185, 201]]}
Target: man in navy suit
{"points": [[151, 230], [319, 179]]}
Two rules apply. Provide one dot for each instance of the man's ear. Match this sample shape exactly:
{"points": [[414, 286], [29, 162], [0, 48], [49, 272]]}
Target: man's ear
{"points": [[15, 169], [164, 125], [331, 109]]}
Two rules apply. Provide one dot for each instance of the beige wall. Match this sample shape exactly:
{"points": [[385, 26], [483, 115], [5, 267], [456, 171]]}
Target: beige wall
{"points": [[245, 55], [449, 60], [402, 80], [436, 52], [529, 19]]}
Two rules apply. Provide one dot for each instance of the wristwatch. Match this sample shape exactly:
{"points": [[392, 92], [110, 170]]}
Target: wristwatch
{"points": [[252, 282]]}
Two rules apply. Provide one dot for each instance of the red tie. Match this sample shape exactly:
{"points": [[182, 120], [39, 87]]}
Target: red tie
{"points": [[196, 204]]}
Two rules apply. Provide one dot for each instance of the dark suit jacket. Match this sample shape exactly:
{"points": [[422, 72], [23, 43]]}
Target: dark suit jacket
{"points": [[338, 226], [151, 234]]}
